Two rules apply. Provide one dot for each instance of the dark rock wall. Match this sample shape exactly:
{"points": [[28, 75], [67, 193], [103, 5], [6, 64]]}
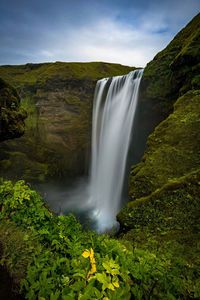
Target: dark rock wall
{"points": [[11, 117], [58, 98]]}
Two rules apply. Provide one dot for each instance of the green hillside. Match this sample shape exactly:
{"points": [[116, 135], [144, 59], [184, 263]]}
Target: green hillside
{"points": [[31, 74]]}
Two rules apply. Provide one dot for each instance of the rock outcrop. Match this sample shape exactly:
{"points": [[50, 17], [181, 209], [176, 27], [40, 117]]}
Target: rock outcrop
{"points": [[173, 71], [172, 158], [11, 117], [58, 98]]}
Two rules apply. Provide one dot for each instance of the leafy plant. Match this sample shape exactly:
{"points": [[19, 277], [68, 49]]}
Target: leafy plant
{"points": [[65, 262]]}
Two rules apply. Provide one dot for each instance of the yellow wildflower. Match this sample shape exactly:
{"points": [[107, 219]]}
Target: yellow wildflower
{"points": [[90, 253]]}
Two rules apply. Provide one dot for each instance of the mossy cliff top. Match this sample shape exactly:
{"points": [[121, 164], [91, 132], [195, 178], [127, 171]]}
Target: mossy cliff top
{"points": [[174, 70], [11, 117], [164, 187], [30, 74]]}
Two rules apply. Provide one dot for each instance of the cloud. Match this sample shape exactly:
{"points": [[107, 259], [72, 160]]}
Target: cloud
{"points": [[105, 40], [128, 32], [169, 14], [108, 40]]}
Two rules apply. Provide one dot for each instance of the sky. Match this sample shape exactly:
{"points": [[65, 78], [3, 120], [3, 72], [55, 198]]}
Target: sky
{"points": [[128, 32]]}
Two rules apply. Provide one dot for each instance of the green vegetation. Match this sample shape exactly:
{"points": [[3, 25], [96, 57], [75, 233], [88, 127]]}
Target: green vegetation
{"points": [[172, 149], [168, 220], [164, 190], [28, 105], [173, 207], [31, 74], [54, 258], [164, 187]]}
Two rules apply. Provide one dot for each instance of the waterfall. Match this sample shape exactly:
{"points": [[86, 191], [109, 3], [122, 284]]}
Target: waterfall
{"points": [[114, 109]]}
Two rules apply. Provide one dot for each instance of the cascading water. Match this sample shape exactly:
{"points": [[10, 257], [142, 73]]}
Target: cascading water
{"points": [[99, 201], [114, 109]]}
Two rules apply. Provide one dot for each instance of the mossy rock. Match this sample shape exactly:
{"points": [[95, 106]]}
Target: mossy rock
{"points": [[11, 116], [173, 207], [172, 149], [16, 252], [167, 221]]}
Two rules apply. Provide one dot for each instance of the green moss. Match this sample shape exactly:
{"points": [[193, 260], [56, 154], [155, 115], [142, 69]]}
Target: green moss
{"points": [[175, 206], [24, 167], [28, 105], [196, 82], [16, 249], [30, 74], [172, 149], [167, 221], [11, 116], [190, 48]]}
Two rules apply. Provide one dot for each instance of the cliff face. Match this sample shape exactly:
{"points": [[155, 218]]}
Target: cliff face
{"points": [[173, 71], [58, 98], [164, 188], [172, 158], [11, 117]]}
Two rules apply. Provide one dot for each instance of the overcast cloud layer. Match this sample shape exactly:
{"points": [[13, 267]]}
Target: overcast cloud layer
{"points": [[123, 31]]}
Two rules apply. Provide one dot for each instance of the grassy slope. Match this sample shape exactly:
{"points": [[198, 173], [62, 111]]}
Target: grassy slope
{"points": [[31, 74]]}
